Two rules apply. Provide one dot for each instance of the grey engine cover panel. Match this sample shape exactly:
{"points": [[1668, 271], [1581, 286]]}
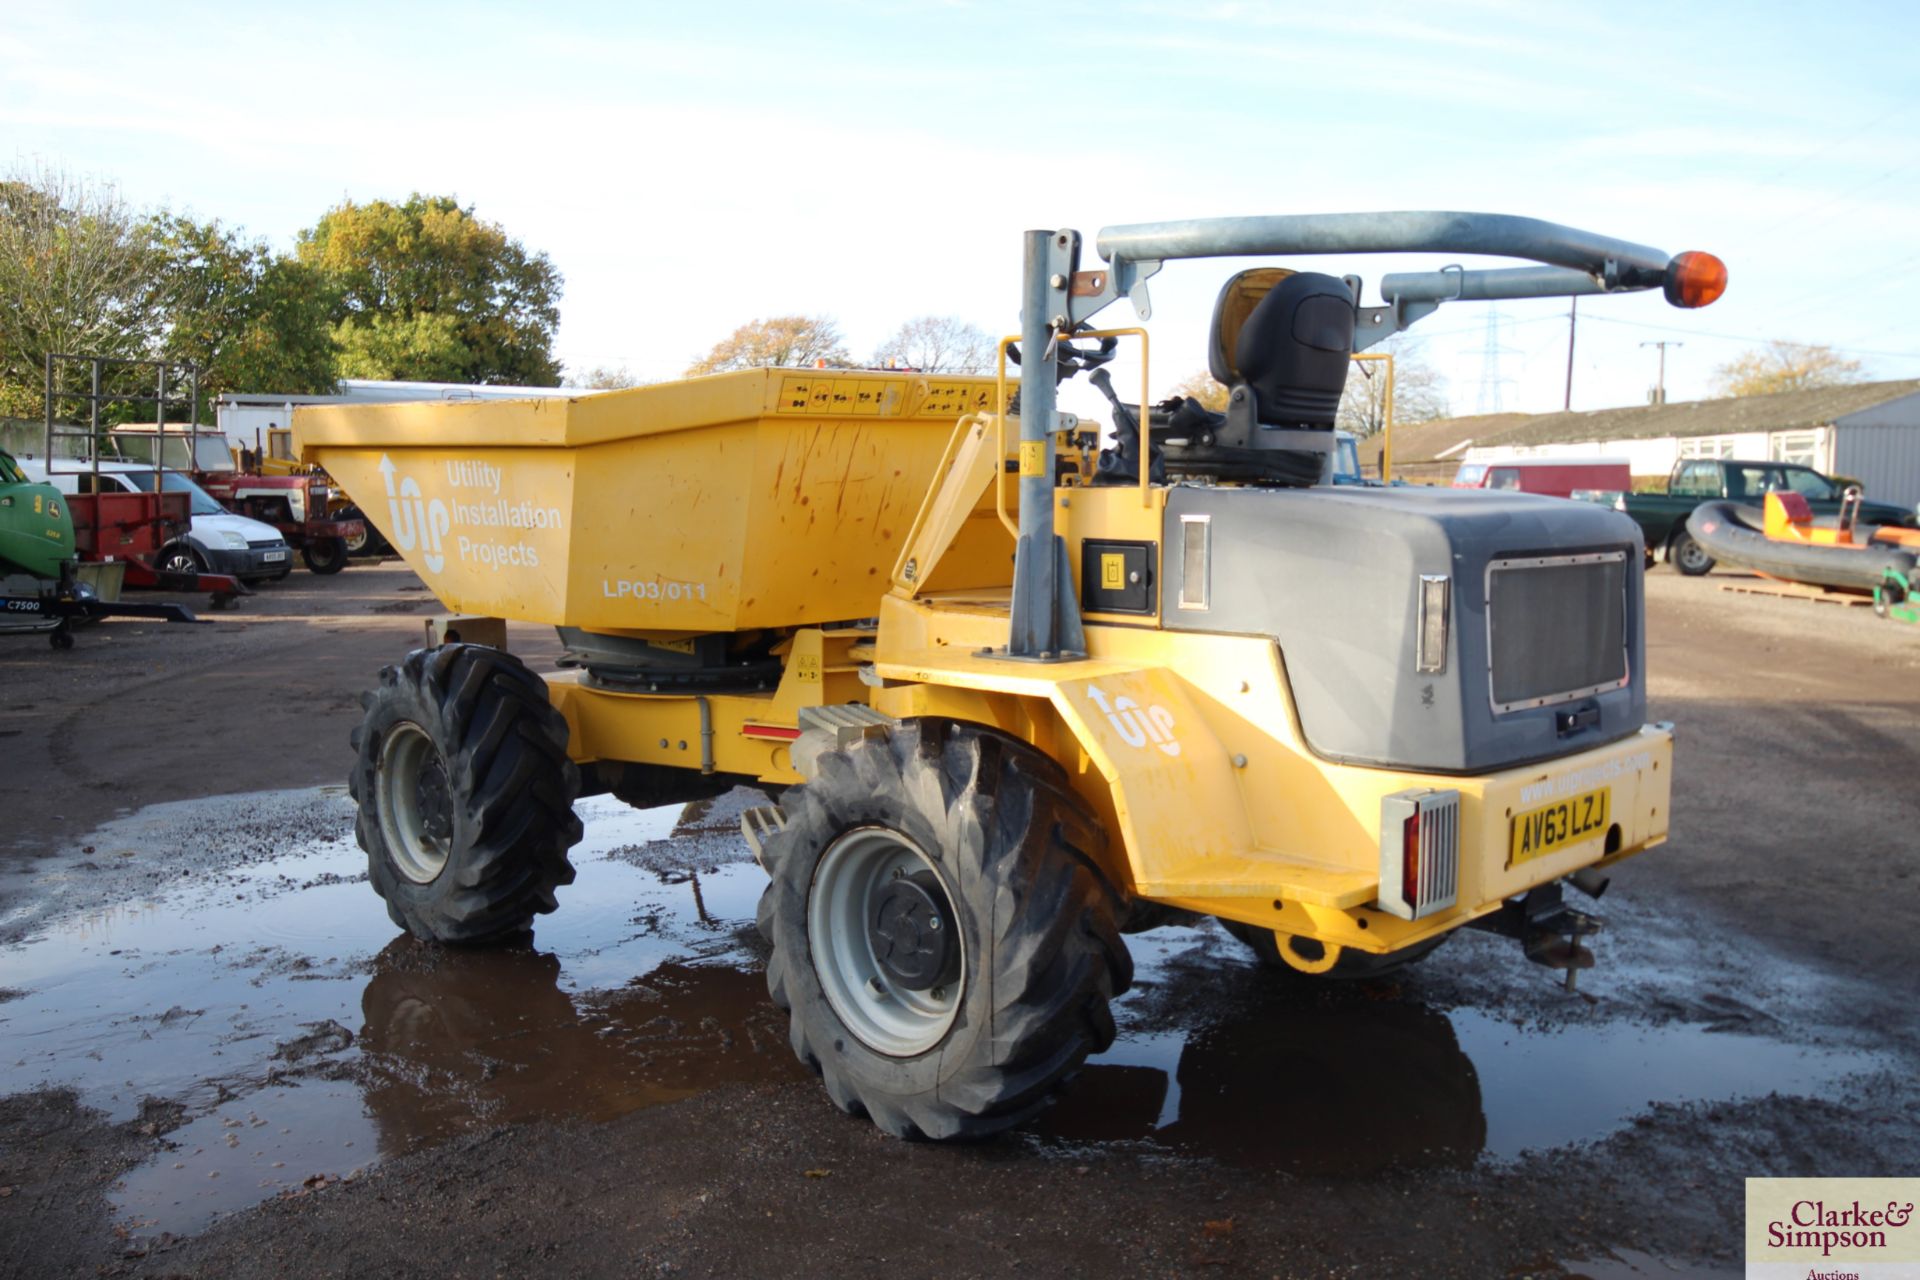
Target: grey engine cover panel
{"points": [[1333, 575]]}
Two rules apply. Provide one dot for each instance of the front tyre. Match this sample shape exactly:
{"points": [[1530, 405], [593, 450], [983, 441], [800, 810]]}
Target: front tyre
{"points": [[943, 938], [182, 558], [465, 794], [325, 555]]}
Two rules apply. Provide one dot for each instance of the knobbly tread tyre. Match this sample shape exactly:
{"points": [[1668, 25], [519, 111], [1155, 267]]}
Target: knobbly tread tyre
{"points": [[1352, 966], [1019, 854], [505, 748]]}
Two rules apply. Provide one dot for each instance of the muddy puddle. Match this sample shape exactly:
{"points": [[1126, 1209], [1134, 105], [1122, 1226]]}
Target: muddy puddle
{"points": [[266, 1020]]}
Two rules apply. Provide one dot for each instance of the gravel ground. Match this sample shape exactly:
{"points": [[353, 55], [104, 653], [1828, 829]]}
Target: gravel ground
{"points": [[617, 1100]]}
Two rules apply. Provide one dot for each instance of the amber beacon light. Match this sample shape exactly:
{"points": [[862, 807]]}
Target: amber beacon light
{"points": [[1695, 279]]}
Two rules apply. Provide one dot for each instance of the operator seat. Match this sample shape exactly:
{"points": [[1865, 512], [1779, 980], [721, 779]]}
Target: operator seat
{"points": [[1292, 337]]}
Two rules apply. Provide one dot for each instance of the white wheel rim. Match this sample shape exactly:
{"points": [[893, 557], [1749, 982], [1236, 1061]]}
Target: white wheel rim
{"points": [[884, 1016], [405, 754]]}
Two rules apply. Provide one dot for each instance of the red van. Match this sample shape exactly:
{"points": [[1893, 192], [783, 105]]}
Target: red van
{"points": [[1557, 477]]}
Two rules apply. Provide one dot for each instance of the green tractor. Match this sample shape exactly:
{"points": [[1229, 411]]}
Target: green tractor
{"points": [[40, 588]]}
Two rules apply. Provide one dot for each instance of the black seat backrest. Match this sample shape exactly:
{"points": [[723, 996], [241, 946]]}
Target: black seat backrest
{"points": [[1293, 347]]}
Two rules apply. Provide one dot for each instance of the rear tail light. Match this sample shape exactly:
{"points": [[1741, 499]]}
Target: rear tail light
{"points": [[1419, 852]]}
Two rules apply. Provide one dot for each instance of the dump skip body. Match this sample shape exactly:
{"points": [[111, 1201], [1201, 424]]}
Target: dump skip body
{"points": [[762, 498]]}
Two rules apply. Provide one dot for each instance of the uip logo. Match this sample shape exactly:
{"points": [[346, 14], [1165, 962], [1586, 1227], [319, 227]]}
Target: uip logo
{"points": [[416, 521], [1137, 725]]}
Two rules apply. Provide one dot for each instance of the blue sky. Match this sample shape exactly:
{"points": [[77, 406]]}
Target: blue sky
{"points": [[691, 166]]}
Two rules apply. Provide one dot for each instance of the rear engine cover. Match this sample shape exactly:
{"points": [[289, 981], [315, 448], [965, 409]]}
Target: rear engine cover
{"points": [[1532, 647]]}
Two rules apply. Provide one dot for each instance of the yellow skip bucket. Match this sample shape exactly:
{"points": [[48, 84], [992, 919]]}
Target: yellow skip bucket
{"points": [[763, 498]]}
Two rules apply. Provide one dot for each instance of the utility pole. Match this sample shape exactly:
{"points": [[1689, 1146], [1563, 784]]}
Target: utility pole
{"points": [[1660, 388], [1573, 320]]}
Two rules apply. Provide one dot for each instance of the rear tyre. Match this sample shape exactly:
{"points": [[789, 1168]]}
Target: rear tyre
{"points": [[368, 542], [1350, 965], [942, 935], [1688, 556], [325, 555], [465, 794]]}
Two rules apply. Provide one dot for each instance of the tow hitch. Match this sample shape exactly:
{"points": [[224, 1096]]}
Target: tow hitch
{"points": [[1548, 929]]}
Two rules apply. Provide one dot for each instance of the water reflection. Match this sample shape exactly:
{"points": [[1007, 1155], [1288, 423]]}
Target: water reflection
{"points": [[274, 1009], [455, 1039], [1344, 1090]]}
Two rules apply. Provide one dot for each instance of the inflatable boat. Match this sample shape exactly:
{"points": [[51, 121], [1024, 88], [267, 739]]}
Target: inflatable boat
{"points": [[1784, 541]]}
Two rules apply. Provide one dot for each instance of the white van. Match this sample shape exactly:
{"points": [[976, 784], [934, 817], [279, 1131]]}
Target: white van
{"points": [[217, 542]]}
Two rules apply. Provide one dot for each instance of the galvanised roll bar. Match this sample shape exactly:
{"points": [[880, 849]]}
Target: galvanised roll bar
{"points": [[1057, 298]]}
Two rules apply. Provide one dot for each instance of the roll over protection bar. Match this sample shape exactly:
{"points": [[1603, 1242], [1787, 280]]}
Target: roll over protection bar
{"points": [[1500, 234], [1058, 298]]}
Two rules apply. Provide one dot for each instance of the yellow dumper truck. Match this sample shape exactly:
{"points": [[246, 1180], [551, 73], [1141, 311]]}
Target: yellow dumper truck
{"points": [[1017, 686]]}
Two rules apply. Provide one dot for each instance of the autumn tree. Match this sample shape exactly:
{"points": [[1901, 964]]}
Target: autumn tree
{"points": [[603, 377], [248, 319], [1419, 392], [425, 290], [1783, 366], [1201, 386], [80, 274], [780, 341], [937, 344]]}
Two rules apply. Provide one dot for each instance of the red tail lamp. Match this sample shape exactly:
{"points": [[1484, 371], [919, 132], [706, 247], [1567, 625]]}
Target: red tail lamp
{"points": [[1695, 279]]}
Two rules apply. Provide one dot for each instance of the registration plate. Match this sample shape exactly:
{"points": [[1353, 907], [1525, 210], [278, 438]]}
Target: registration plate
{"points": [[1553, 827], [272, 556]]}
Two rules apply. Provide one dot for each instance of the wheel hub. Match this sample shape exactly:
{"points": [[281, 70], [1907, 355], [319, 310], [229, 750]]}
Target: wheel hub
{"points": [[433, 799], [415, 803], [911, 935], [886, 941]]}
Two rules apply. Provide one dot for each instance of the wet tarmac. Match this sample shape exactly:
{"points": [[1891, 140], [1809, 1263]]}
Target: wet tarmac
{"points": [[265, 1017]]}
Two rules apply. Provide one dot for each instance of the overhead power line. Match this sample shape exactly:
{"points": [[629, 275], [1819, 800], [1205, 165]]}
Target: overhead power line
{"points": [[1831, 144], [1742, 337]]}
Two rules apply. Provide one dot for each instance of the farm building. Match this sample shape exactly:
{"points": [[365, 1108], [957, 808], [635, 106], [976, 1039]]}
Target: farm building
{"points": [[1868, 431]]}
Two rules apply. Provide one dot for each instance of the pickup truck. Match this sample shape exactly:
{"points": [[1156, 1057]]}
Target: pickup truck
{"points": [[1663, 516]]}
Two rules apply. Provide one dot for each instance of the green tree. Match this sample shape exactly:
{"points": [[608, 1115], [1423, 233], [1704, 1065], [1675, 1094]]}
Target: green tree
{"points": [[248, 319], [421, 348], [1783, 366], [80, 274], [427, 291], [789, 341]]}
